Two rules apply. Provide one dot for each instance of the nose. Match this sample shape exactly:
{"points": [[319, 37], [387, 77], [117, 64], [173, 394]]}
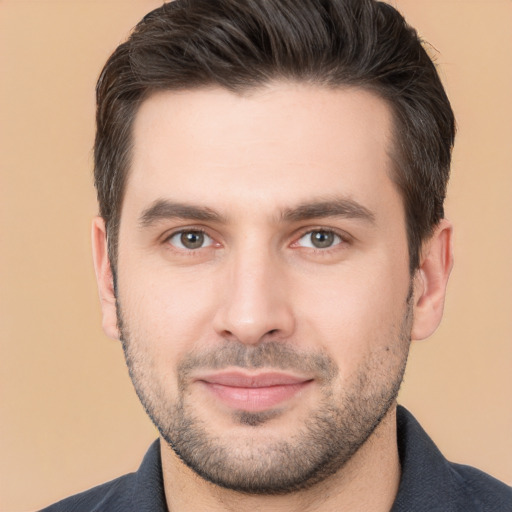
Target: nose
{"points": [[255, 304]]}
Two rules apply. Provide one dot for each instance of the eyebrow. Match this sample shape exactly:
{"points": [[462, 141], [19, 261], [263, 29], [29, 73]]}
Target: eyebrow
{"points": [[163, 209], [338, 207]]}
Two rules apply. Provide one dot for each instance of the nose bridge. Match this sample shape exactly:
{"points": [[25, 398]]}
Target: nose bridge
{"points": [[255, 304]]}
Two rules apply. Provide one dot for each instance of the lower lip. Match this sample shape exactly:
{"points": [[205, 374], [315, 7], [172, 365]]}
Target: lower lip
{"points": [[257, 398]]}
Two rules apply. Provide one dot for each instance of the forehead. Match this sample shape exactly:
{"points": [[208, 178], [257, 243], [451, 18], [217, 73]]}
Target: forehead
{"points": [[275, 146]]}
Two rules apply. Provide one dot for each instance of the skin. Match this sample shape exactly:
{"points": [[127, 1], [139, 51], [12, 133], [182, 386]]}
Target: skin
{"points": [[253, 160]]}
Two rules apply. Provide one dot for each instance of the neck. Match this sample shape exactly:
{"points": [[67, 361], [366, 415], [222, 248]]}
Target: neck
{"points": [[368, 481]]}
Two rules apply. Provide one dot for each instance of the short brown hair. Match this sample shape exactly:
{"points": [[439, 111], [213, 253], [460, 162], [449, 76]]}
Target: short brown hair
{"points": [[243, 44]]}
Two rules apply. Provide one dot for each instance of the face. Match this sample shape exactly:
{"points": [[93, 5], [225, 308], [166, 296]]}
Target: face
{"points": [[263, 289]]}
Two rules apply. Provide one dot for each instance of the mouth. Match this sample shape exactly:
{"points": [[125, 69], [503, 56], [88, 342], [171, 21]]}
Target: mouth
{"points": [[253, 392]]}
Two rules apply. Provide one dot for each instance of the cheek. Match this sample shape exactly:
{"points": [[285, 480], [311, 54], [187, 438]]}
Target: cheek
{"points": [[355, 313], [167, 314]]}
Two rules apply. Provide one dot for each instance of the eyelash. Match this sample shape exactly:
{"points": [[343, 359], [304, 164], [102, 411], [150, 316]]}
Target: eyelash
{"points": [[343, 237], [185, 251]]}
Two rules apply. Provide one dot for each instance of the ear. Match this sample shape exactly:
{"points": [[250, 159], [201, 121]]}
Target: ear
{"points": [[104, 278], [430, 281]]}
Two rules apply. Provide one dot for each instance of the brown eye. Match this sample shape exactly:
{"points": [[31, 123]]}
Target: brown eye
{"points": [[320, 239], [190, 240]]}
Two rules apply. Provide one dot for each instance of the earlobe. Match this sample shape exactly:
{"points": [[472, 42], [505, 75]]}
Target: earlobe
{"points": [[431, 280], [104, 278]]}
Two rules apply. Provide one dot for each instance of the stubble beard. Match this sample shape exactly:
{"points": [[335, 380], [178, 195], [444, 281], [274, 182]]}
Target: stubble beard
{"points": [[324, 443]]}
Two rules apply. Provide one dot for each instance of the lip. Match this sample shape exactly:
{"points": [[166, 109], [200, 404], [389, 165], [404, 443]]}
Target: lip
{"points": [[253, 392]]}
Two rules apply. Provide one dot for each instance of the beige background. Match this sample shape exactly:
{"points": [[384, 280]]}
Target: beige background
{"points": [[69, 418]]}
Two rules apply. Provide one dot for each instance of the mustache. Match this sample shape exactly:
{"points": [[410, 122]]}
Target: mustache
{"points": [[271, 354]]}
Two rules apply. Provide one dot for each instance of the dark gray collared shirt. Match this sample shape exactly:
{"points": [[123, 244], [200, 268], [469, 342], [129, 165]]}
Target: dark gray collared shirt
{"points": [[429, 483]]}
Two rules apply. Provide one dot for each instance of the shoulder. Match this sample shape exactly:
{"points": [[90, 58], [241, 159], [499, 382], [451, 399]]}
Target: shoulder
{"points": [[112, 496], [431, 483], [141, 491], [481, 490]]}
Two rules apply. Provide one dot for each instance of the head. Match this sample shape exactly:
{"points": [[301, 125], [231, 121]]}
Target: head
{"points": [[271, 178]]}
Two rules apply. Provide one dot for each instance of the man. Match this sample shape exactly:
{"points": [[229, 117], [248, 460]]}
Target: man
{"points": [[271, 178]]}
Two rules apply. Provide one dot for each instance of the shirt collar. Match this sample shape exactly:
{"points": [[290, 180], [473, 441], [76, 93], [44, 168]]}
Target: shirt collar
{"points": [[148, 491], [426, 483]]}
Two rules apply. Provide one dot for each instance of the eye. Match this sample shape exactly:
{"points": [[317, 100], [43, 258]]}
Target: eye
{"points": [[190, 240], [319, 239]]}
